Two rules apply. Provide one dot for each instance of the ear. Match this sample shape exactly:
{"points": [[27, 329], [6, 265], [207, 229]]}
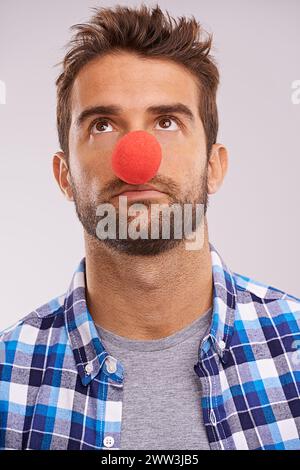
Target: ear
{"points": [[62, 174], [217, 167]]}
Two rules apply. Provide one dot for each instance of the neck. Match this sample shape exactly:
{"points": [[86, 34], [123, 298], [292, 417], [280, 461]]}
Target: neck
{"points": [[147, 297]]}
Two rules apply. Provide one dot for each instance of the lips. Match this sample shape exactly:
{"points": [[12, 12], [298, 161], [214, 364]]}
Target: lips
{"points": [[134, 190], [140, 192]]}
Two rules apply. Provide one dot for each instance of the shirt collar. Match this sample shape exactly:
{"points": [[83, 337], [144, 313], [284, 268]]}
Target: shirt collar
{"points": [[224, 305], [90, 354]]}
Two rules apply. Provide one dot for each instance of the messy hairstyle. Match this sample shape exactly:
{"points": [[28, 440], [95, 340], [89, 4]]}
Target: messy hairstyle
{"points": [[147, 32]]}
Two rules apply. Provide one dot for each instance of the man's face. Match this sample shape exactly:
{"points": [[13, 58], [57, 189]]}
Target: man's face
{"points": [[134, 84]]}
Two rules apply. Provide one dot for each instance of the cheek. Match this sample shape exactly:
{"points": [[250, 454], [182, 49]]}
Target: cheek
{"points": [[92, 152], [173, 154], [184, 162], [91, 169]]}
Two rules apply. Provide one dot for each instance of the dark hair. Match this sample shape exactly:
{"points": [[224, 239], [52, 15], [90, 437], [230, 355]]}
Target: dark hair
{"points": [[146, 32]]}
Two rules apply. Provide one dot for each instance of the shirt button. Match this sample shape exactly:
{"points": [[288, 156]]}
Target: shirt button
{"points": [[212, 417], [222, 345], [108, 441], [88, 368], [111, 365]]}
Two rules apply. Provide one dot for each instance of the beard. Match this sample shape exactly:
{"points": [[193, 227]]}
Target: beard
{"points": [[86, 210]]}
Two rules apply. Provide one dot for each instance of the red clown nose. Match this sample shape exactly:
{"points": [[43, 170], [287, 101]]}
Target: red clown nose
{"points": [[136, 157]]}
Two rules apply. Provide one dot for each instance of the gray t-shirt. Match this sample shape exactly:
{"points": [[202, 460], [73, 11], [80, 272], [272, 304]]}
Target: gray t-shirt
{"points": [[162, 393]]}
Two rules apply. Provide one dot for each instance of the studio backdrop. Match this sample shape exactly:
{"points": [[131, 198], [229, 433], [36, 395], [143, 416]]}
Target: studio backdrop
{"points": [[254, 217]]}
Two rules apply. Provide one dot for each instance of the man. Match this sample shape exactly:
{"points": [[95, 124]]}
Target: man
{"points": [[153, 346]]}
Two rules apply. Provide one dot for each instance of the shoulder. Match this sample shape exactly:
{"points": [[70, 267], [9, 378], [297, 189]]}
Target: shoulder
{"points": [[262, 299], [27, 328]]}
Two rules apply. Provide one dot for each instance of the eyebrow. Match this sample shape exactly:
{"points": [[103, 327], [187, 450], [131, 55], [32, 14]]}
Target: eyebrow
{"points": [[113, 110]]}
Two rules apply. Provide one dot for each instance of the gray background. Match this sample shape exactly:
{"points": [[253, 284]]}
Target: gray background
{"points": [[253, 219]]}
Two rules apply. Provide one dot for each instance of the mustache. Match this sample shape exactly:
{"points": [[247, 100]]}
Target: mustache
{"points": [[162, 183]]}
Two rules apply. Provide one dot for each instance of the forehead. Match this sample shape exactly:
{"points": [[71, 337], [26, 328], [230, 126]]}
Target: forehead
{"points": [[130, 81]]}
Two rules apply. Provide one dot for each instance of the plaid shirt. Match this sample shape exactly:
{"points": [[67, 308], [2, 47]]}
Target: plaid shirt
{"points": [[60, 389]]}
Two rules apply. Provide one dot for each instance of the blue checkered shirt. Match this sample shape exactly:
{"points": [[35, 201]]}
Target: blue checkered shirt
{"points": [[60, 389]]}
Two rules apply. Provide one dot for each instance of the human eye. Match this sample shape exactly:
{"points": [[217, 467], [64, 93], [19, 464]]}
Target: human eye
{"points": [[97, 126], [169, 127]]}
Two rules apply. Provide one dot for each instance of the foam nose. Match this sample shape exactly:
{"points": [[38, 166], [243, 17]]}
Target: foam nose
{"points": [[136, 157]]}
